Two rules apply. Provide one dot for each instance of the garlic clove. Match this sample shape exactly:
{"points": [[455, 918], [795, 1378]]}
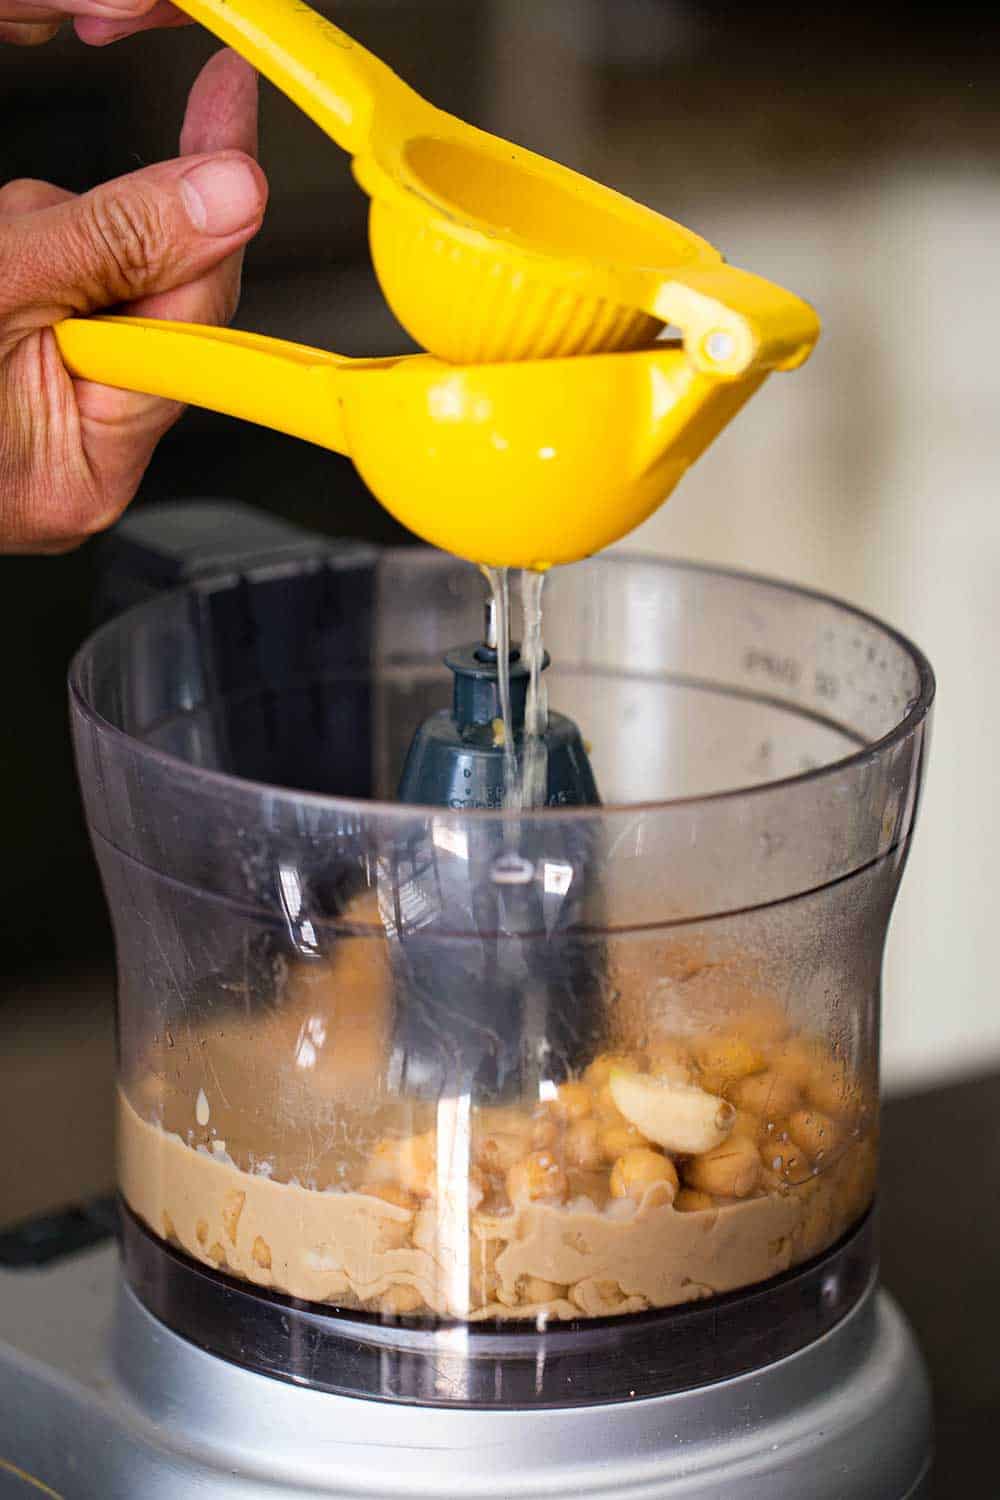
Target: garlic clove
{"points": [[677, 1116]]}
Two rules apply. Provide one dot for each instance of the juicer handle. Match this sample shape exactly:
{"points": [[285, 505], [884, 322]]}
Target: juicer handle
{"points": [[288, 387], [325, 72], [735, 323]]}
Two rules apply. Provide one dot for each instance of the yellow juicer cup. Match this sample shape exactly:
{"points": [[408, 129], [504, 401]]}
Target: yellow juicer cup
{"points": [[516, 465], [487, 252]]}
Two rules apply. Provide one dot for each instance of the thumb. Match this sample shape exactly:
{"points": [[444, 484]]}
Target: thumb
{"points": [[149, 232]]}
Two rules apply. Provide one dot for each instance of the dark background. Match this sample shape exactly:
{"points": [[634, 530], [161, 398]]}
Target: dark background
{"points": [[755, 93]]}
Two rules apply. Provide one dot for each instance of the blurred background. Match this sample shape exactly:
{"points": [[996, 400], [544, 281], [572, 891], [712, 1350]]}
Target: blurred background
{"points": [[851, 156]]}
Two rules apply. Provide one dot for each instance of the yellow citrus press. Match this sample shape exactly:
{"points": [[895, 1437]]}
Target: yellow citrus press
{"points": [[517, 465], [487, 252], [529, 448]]}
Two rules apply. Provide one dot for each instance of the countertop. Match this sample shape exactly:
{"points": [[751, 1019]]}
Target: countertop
{"points": [[940, 1234]]}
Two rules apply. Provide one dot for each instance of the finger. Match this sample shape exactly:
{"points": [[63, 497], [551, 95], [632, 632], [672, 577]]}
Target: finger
{"points": [[74, 451], [120, 429], [28, 33], [116, 11], [55, 488], [148, 232], [222, 108], [221, 113], [213, 298], [99, 33], [25, 195], [48, 494]]}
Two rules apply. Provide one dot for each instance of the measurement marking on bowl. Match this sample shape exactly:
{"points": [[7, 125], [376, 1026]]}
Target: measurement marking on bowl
{"points": [[511, 869]]}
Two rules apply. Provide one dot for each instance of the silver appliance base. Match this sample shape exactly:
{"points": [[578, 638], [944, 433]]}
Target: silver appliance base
{"points": [[99, 1401]]}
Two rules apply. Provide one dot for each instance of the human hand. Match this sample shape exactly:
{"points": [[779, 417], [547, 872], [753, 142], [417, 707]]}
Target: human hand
{"points": [[165, 242], [27, 23]]}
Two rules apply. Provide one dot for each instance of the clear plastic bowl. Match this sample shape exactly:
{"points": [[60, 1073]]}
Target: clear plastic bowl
{"points": [[414, 1066]]}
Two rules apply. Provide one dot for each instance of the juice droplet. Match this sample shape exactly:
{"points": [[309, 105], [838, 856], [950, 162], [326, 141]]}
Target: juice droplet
{"points": [[525, 785], [535, 767], [499, 581]]}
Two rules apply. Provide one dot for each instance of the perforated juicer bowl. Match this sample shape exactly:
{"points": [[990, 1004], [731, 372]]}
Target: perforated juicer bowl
{"points": [[709, 939]]}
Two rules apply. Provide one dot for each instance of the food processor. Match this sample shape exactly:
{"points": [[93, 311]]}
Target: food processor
{"points": [[472, 1150]]}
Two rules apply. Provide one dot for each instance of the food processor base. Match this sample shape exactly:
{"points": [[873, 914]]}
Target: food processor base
{"points": [[98, 1399]]}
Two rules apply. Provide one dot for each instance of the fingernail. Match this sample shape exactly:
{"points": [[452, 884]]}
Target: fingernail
{"points": [[221, 196]]}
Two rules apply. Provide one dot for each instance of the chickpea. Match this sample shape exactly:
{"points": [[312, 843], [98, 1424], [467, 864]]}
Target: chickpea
{"points": [[831, 1088], [600, 1070], [772, 1182], [813, 1185], [635, 1173], [573, 1101], [747, 1124], [544, 1133], [731, 1170], [766, 1094], [795, 1060], [537, 1177], [589, 1183], [780, 1154], [605, 1107], [399, 1301], [408, 1163], [723, 1059], [816, 1133], [582, 1145], [615, 1140], [690, 1201]]}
